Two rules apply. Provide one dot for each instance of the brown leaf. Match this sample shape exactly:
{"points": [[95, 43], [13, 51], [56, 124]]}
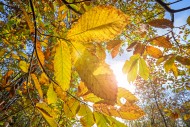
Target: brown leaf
{"points": [[162, 42], [131, 46], [115, 50], [154, 52], [183, 60], [113, 43], [161, 23], [139, 48]]}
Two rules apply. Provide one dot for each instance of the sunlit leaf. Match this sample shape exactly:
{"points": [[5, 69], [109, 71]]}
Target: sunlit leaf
{"points": [[102, 85], [143, 69], [113, 43], [126, 94], [139, 49], [115, 123], [131, 46], [169, 64], [161, 23], [87, 119], [102, 23], [154, 52], [132, 74], [100, 119], [6, 77], [51, 95], [37, 85], [174, 70], [47, 113], [183, 60], [24, 66], [62, 65], [100, 52], [40, 53], [71, 107], [162, 59], [162, 42]]}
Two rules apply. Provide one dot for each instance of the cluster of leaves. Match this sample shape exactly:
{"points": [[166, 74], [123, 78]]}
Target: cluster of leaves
{"points": [[53, 68]]}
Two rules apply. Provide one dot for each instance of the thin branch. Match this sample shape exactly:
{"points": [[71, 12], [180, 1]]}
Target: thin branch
{"points": [[79, 1], [70, 7], [170, 3]]}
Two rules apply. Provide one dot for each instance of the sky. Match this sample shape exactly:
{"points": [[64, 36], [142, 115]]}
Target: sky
{"points": [[117, 63]]}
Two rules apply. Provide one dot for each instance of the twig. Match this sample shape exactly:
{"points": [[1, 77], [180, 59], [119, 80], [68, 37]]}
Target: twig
{"points": [[170, 3], [70, 7]]}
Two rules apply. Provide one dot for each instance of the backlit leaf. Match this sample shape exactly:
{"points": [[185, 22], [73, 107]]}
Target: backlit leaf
{"points": [[162, 59], [183, 60], [115, 50], [71, 107], [40, 53], [102, 23], [102, 85], [143, 69], [62, 65], [131, 46], [100, 119], [51, 95], [24, 66], [113, 43], [162, 42], [124, 93], [161, 23], [115, 123], [169, 64], [154, 52], [139, 49], [174, 70], [47, 113], [37, 85], [87, 119], [132, 74]]}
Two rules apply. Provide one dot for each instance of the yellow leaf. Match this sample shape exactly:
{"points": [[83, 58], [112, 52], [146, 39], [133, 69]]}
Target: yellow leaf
{"points": [[186, 116], [76, 51], [24, 66], [62, 65], [161, 23], [132, 74], [124, 93], [60, 93], [100, 52], [40, 53], [161, 59], [71, 107], [87, 119], [102, 85], [102, 23], [169, 64], [128, 63], [143, 69], [154, 52], [37, 85], [162, 42], [51, 95], [47, 113], [174, 70], [100, 119], [43, 79]]}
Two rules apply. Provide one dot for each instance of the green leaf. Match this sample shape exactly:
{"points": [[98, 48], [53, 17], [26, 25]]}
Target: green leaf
{"points": [[169, 63], [132, 74], [87, 119], [100, 119], [62, 65], [143, 69], [188, 20], [51, 95]]}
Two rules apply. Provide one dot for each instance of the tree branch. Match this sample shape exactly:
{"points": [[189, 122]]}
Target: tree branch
{"points": [[70, 7]]}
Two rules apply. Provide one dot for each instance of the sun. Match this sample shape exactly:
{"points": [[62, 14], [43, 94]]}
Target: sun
{"points": [[120, 77]]}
